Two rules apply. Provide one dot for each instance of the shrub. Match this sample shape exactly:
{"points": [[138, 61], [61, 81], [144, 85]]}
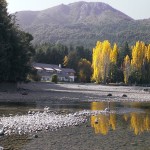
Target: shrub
{"points": [[54, 78]]}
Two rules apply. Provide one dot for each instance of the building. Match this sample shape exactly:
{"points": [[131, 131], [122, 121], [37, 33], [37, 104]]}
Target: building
{"points": [[45, 71]]}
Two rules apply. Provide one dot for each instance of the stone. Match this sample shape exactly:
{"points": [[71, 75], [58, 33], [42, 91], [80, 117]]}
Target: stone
{"points": [[124, 95], [109, 94], [35, 136]]}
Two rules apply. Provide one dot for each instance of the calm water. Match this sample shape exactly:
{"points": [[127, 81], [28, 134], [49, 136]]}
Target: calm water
{"points": [[130, 119]]}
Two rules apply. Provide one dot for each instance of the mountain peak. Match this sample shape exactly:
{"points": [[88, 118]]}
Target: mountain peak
{"points": [[81, 23], [78, 12]]}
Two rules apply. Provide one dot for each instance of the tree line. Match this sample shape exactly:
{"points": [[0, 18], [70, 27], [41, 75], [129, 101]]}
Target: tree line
{"points": [[104, 64], [109, 63], [77, 58]]}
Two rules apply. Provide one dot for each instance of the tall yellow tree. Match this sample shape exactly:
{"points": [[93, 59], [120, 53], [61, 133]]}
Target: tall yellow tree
{"points": [[127, 70], [114, 62], [114, 54], [96, 64], [138, 54], [101, 61], [148, 53], [140, 62]]}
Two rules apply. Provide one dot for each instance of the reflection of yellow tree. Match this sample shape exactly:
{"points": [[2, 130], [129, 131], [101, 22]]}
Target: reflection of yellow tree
{"points": [[125, 116], [101, 123], [140, 122], [113, 121], [98, 106]]}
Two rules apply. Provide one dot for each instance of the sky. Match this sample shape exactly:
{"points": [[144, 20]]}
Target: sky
{"points": [[137, 9]]}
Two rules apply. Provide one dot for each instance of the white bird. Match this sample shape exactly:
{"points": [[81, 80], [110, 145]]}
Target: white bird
{"points": [[108, 108], [46, 109]]}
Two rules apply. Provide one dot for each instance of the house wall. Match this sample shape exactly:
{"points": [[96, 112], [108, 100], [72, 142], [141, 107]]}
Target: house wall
{"points": [[64, 74]]}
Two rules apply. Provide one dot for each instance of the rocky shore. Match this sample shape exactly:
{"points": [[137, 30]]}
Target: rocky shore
{"points": [[32, 92]]}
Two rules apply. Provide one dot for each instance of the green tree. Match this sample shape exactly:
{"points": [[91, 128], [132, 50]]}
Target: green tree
{"points": [[71, 61], [54, 78], [15, 49], [50, 53], [124, 51]]}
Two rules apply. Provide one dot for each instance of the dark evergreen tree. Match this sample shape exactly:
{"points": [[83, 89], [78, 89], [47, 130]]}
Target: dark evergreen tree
{"points": [[125, 50], [51, 53], [15, 49]]}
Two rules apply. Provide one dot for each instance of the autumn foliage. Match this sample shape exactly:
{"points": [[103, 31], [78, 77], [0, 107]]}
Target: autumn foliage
{"points": [[106, 63], [103, 56]]}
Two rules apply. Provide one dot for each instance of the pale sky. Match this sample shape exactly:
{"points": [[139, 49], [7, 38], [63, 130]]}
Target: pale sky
{"points": [[137, 9]]}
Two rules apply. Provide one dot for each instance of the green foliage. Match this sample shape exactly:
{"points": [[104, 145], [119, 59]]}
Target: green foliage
{"points": [[124, 51], [54, 78], [33, 76], [78, 59], [15, 49], [50, 53], [76, 27], [72, 61]]}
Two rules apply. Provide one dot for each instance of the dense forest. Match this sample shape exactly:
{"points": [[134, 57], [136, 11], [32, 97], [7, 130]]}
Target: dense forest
{"points": [[104, 64], [15, 48]]}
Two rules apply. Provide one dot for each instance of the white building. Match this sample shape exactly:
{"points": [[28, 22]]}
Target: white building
{"points": [[45, 71]]}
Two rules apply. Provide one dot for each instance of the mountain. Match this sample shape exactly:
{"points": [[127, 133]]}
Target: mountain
{"points": [[83, 23]]}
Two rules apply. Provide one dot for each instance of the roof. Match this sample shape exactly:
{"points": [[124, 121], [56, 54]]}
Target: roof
{"points": [[49, 69], [68, 70], [52, 67], [45, 65]]}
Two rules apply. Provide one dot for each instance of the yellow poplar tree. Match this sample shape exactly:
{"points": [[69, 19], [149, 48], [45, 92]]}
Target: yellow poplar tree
{"points": [[127, 71], [65, 60], [138, 57], [113, 65], [140, 62], [101, 61], [148, 53], [114, 54], [96, 64]]}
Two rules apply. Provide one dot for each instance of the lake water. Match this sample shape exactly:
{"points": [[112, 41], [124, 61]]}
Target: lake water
{"points": [[129, 122]]}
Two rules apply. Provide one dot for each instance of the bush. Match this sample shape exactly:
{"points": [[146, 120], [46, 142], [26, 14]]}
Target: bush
{"points": [[33, 76], [54, 78]]}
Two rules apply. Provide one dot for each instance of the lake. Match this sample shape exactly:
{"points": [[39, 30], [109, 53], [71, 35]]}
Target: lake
{"points": [[125, 126]]}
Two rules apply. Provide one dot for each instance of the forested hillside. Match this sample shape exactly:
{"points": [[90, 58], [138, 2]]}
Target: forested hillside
{"points": [[83, 23]]}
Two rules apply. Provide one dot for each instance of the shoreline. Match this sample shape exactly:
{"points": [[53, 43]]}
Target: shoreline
{"points": [[33, 92], [81, 136]]}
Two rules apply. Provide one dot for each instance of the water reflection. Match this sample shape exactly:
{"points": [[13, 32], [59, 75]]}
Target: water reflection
{"points": [[14, 108], [138, 122]]}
